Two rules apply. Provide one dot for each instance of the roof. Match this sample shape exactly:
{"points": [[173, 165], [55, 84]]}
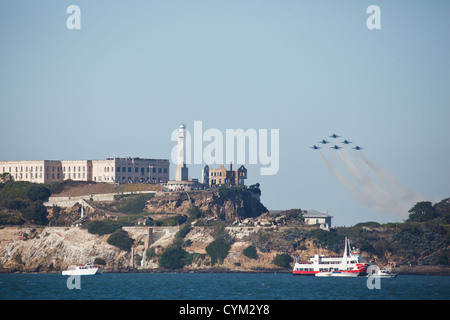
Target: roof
{"points": [[314, 214]]}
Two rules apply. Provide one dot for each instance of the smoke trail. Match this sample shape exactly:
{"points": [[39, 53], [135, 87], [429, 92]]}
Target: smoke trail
{"points": [[356, 193], [396, 186], [384, 202]]}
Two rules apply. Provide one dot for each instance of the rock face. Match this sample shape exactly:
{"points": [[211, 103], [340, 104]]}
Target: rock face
{"points": [[236, 204], [54, 249]]}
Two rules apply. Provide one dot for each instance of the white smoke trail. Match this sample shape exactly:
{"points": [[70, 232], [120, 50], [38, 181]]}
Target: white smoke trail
{"points": [[396, 185], [356, 193], [384, 202]]}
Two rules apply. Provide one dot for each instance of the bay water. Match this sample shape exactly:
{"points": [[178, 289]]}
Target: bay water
{"points": [[218, 286]]}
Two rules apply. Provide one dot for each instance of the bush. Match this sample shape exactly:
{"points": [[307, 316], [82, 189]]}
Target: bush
{"points": [[174, 221], [173, 258], [102, 227], [38, 192], [218, 250], [195, 213], [11, 219], [224, 192], [120, 239], [250, 252], [283, 260], [100, 261], [132, 204], [36, 212]]}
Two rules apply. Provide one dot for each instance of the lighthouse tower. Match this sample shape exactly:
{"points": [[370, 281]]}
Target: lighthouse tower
{"points": [[181, 171]]}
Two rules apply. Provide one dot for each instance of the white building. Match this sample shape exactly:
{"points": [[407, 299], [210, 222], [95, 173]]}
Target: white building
{"points": [[38, 171], [125, 170], [313, 217], [109, 170]]}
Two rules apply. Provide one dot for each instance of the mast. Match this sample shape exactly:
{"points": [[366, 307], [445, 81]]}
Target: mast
{"points": [[344, 257]]}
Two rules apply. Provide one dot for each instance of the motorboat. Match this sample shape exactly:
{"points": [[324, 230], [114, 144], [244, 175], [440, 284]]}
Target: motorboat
{"points": [[86, 270]]}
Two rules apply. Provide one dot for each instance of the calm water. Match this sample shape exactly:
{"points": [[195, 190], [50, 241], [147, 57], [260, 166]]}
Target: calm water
{"points": [[219, 286]]}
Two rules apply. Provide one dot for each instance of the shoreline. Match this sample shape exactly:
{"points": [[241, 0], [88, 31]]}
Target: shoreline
{"points": [[414, 271]]}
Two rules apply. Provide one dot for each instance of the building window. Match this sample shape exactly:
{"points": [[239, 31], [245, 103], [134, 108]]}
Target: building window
{"points": [[159, 170], [165, 170], [118, 169], [129, 169], [135, 169]]}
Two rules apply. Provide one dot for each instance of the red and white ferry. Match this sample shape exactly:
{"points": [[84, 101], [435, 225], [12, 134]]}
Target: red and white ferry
{"points": [[351, 264]]}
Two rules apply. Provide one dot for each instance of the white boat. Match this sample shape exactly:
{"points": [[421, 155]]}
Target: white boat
{"points": [[382, 273], [324, 274], [345, 274], [86, 270], [351, 264]]}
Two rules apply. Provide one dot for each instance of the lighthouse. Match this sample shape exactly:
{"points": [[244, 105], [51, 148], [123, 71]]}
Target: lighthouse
{"points": [[181, 171]]}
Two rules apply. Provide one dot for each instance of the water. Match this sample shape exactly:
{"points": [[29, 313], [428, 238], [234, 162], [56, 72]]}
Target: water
{"points": [[219, 286]]}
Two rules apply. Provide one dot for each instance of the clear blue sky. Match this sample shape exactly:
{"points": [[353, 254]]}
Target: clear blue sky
{"points": [[137, 69]]}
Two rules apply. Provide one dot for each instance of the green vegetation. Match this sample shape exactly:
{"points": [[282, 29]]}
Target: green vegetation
{"points": [[226, 190], [121, 239], [218, 250], [174, 257], [133, 203], [250, 252], [283, 260], [100, 261], [22, 202], [102, 227]]}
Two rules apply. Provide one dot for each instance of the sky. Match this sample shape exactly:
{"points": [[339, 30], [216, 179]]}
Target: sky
{"points": [[123, 82]]}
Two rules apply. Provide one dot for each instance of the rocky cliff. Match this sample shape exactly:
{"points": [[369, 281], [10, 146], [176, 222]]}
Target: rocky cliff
{"points": [[227, 204], [26, 249]]}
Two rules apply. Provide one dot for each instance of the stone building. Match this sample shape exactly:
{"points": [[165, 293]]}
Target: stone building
{"points": [[125, 170], [110, 170], [38, 171], [222, 176]]}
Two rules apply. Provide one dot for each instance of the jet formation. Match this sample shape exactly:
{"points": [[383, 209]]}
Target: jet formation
{"points": [[335, 147]]}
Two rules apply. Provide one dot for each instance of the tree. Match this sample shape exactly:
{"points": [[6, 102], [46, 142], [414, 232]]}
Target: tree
{"points": [[218, 250], [36, 212], [173, 257], [283, 260], [250, 252], [422, 211], [38, 192], [120, 239]]}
